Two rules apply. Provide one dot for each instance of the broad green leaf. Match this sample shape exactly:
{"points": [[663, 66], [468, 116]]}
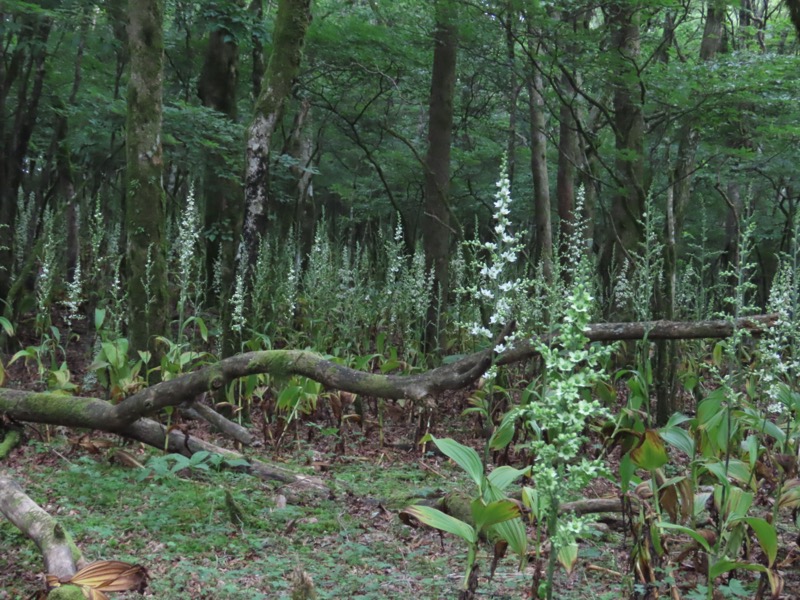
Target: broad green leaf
{"points": [[26, 354], [737, 501], [687, 531], [737, 471], [568, 556], [514, 532], [486, 515], [464, 456], [651, 453], [439, 520], [201, 324], [709, 408], [502, 436], [723, 566], [99, 317], [678, 439], [504, 476], [767, 537], [676, 419]]}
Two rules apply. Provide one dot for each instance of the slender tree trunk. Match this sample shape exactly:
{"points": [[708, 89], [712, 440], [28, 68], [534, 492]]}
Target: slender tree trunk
{"points": [[256, 8], [291, 24], [436, 230], [25, 67], [144, 214], [543, 244], [514, 87], [301, 148], [567, 159], [678, 196]]}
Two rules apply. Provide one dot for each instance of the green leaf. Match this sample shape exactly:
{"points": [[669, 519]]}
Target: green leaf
{"points": [[723, 566], [568, 556], [486, 515], [7, 326], [767, 537], [502, 436], [464, 456], [439, 520], [651, 453], [686, 530], [99, 317], [677, 419], [678, 439], [737, 470], [737, 501], [626, 471], [537, 503], [504, 476], [513, 532]]}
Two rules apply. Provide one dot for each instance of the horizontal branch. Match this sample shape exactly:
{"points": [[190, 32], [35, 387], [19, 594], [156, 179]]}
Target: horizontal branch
{"points": [[128, 417]]}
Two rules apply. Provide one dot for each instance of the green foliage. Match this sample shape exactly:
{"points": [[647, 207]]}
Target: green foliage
{"points": [[489, 509]]}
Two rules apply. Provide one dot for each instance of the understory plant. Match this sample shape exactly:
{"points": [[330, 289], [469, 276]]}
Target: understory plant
{"points": [[554, 410], [491, 514]]}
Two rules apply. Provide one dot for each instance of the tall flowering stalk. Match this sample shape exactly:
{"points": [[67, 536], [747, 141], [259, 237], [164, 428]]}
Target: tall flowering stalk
{"points": [[499, 287], [187, 252]]}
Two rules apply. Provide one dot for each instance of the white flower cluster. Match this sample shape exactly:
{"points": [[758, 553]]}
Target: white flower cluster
{"points": [[188, 238], [238, 319], [498, 287]]}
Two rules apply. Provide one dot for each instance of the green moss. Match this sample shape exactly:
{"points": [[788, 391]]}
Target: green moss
{"points": [[12, 438], [66, 592]]}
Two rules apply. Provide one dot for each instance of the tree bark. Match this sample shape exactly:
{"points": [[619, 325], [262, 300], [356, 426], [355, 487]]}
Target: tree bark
{"points": [[436, 230], [543, 242], [291, 24], [222, 212], [144, 211], [628, 203], [61, 556], [301, 149], [25, 68]]}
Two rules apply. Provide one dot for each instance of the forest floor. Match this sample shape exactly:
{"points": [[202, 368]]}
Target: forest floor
{"points": [[181, 527]]}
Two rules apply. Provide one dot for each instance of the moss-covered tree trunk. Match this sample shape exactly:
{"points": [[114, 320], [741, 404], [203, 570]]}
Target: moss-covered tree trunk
{"points": [[144, 210], [291, 24], [436, 229]]}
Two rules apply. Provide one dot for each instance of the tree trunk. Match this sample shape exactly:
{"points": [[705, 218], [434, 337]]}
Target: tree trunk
{"points": [[291, 24], [628, 203], [436, 230], [567, 159], [678, 196], [301, 149], [222, 195], [144, 214], [25, 67], [543, 243]]}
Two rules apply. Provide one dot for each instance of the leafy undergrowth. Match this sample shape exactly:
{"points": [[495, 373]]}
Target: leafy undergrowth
{"points": [[352, 545]]}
